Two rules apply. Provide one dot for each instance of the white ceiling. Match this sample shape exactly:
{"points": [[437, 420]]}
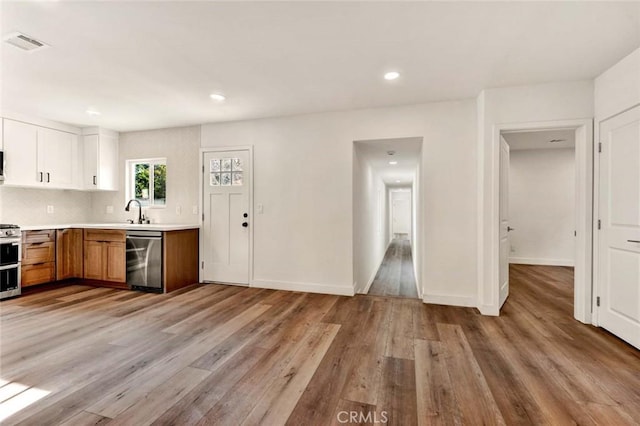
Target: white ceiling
{"points": [[406, 153], [540, 139], [154, 64]]}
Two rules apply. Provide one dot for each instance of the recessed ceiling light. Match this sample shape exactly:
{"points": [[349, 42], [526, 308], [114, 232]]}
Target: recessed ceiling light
{"points": [[391, 75], [397, 181], [217, 97], [92, 112], [393, 163]]}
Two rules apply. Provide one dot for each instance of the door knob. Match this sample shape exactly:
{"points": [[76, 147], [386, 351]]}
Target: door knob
{"points": [[509, 229], [245, 224]]}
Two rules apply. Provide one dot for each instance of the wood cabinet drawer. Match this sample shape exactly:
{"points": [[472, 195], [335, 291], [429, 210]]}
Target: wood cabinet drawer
{"points": [[38, 253], [39, 273], [117, 235], [41, 236]]}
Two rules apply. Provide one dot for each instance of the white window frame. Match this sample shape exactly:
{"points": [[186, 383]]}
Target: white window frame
{"points": [[130, 175]]}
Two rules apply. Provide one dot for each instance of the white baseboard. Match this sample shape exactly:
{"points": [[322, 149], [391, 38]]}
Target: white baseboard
{"points": [[304, 287], [539, 261], [441, 299]]}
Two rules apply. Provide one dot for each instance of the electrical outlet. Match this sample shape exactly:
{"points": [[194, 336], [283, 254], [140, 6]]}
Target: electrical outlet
{"points": [[50, 209], [178, 210], [194, 209], [513, 249], [259, 209], [109, 210]]}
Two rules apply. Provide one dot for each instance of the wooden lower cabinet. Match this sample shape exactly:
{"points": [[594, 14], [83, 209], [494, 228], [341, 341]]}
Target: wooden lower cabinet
{"points": [[94, 260], [69, 255], [99, 256], [105, 257], [116, 262], [38, 257], [38, 273]]}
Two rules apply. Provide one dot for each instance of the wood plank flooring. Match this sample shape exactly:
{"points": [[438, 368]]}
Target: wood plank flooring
{"points": [[213, 354], [395, 277]]}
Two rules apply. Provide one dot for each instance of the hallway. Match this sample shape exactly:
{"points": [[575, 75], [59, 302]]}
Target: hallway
{"points": [[395, 276]]}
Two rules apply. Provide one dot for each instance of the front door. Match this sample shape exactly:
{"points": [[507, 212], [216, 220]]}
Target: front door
{"points": [[505, 246], [226, 217], [619, 236]]}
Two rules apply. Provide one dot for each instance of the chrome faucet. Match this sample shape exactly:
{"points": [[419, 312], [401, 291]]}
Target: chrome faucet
{"points": [[127, 208]]}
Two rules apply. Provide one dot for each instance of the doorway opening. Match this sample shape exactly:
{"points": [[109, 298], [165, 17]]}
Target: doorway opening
{"points": [[386, 206], [544, 210], [539, 213]]}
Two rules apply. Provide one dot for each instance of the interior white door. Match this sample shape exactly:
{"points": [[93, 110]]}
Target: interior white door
{"points": [[401, 216], [227, 176], [504, 221], [619, 236]]}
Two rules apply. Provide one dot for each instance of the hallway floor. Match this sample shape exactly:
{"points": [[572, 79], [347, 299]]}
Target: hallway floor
{"points": [[395, 276]]}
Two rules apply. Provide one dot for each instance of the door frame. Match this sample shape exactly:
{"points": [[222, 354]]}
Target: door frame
{"points": [[583, 291], [201, 154]]}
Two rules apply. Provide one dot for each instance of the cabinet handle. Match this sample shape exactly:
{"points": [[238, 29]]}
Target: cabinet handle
{"points": [[48, 177], [94, 180], [41, 177]]}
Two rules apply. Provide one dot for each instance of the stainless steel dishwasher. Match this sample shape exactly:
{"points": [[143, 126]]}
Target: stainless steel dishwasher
{"points": [[144, 260]]}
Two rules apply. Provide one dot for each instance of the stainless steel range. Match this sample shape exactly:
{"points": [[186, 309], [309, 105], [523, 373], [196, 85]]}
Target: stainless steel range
{"points": [[10, 254]]}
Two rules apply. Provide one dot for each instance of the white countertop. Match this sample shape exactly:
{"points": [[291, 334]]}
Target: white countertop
{"points": [[119, 225]]}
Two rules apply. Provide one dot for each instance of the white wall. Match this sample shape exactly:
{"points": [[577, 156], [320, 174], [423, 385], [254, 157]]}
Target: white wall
{"points": [[370, 238], [546, 102], [618, 88], [303, 177], [180, 146], [542, 206], [28, 206]]}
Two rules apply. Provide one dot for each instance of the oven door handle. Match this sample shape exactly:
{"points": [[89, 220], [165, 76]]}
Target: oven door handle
{"points": [[12, 266]]}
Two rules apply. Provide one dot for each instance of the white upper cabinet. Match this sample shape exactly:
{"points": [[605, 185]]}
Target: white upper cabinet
{"points": [[39, 157], [21, 154], [100, 160], [57, 158]]}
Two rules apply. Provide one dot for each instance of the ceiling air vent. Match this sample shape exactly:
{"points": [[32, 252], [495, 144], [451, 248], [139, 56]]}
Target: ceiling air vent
{"points": [[24, 42]]}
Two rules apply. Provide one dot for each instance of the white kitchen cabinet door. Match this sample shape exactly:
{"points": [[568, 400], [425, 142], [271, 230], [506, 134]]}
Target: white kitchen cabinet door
{"points": [[100, 162], [108, 163], [90, 163], [57, 158], [21, 154]]}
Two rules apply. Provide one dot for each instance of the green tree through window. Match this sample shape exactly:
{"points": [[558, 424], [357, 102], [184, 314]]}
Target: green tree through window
{"points": [[148, 188]]}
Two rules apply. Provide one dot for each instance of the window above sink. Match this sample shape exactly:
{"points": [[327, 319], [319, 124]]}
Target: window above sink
{"points": [[147, 181]]}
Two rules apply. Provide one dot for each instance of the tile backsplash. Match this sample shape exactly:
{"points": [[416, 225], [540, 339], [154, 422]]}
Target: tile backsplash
{"points": [[28, 206]]}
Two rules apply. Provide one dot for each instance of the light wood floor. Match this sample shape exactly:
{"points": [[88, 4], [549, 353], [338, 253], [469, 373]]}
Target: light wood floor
{"points": [[395, 276], [212, 354]]}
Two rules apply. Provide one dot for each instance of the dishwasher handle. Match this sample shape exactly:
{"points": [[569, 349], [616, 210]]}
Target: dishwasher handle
{"points": [[145, 234]]}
